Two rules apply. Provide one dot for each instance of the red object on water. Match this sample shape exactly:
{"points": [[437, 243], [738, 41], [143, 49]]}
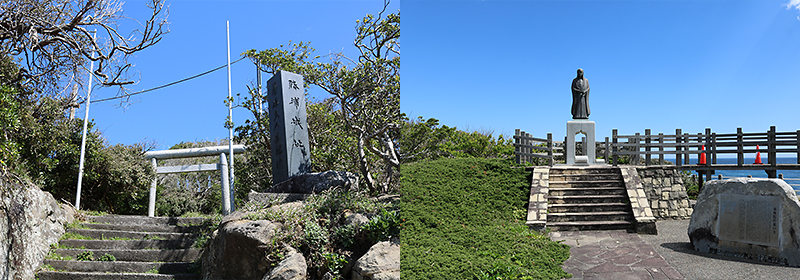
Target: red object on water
{"points": [[758, 157], [702, 159]]}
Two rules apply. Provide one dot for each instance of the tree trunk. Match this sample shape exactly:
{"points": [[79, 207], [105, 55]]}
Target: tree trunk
{"points": [[363, 164]]}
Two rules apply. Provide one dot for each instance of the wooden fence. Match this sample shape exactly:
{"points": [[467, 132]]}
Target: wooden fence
{"points": [[528, 148], [684, 145]]}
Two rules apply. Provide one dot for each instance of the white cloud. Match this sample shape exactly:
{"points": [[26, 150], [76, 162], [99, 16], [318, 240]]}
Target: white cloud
{"points": [[793, 4]]}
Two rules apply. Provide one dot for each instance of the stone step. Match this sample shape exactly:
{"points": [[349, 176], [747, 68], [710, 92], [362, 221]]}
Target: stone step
{"points": [[59, 275], [587, 184], [588, 207], [128, 244], [124, 267], [108, 234], [584, 177], [143, 228], [146, 221], [587, 191], [582, 170], [590, 216], [577, 199], [590, 225], [159, 255]]}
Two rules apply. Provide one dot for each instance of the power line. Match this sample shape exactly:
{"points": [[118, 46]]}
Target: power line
{"points": [[163, 86]]}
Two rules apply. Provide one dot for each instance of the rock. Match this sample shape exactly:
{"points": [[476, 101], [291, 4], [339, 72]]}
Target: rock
{"points": [[317, 182], [388, 198], [238, 247], [293, 267], [753, 218], [288, 207], [269, 199], [381, 262], [355, 219], [30, 220]]}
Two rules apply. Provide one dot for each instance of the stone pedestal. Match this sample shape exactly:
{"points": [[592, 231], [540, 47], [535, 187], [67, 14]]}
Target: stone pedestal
{"points": [[580, 126]]}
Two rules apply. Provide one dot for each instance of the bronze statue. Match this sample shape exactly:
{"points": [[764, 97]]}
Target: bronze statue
{"points": [[580, 97]]}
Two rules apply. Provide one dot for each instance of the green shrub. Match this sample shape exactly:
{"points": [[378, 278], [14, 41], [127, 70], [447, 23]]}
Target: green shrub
{"points": [[426, 139], [463, 219], [382, 227]]}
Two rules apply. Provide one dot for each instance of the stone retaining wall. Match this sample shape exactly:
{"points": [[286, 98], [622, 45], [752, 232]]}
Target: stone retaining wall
{"points": [[664, 187]]}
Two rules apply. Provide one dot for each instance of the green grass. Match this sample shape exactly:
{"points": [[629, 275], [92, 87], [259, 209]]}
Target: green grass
{"points": [[464, 219]]}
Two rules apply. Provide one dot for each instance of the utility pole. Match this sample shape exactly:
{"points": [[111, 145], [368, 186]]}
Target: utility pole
{"points": [[83, 139], [230, 116]]}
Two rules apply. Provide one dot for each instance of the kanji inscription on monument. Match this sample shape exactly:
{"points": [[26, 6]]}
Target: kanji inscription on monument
{"points": [[288, 126], [749, 219]]}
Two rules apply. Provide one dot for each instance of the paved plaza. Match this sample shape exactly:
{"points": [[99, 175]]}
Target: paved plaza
{"points": [[620, 255]]}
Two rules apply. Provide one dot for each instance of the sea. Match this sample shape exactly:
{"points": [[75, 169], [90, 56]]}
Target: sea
{"points": [[792, 177]]}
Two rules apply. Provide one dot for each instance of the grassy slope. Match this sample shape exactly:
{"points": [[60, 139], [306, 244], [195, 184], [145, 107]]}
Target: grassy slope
{"points": [[464, 219]]}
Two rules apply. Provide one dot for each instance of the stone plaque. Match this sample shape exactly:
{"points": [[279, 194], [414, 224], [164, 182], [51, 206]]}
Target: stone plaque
{"points": [[750, 219], [288, 127]]}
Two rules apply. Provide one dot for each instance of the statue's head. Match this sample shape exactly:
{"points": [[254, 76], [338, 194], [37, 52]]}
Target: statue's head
{"points": [[580, 73]]}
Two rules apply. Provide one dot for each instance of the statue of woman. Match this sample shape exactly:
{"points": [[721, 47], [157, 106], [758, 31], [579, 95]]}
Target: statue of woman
{"points": [[580, 97]]}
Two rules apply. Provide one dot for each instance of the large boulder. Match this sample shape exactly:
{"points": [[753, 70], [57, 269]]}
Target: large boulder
{"points": [[30, 220], [238, 247], [317, 182], [381, 262], [753, 218]]}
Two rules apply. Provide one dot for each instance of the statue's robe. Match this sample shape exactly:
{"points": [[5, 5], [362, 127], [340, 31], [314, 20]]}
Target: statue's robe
{"points": [[580, 98]]}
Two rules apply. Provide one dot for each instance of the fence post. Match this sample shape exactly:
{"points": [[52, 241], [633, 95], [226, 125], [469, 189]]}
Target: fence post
{"points": [[151, 207], [528, 148], [636, 146], [707, 140], [686, 148], [550, 149], [605, 151], [739, 147], [226, 194], [517, 149], [584, 150], [614, 147], [714, 147], [660, 148], [772, 146], [797, 139], [678, 157], [647, 142]]}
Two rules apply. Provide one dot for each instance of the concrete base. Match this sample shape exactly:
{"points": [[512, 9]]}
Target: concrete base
{"points": [[573, 128]]}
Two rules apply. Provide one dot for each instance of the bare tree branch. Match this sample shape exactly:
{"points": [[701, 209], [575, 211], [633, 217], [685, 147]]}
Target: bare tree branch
{"points": [[54, 40]]}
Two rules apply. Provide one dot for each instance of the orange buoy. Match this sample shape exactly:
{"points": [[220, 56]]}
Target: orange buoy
{"points": [[702, 159], [758, 157]]}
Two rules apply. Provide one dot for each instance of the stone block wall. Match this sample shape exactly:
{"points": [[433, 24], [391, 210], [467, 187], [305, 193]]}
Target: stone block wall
{"points": [[663, 186]]}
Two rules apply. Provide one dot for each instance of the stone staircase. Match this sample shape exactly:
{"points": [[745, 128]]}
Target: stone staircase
{"points": [[143, 248], [588, 198]]}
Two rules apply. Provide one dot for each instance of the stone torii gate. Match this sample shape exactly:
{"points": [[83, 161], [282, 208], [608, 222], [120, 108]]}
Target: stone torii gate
{"points": [[222, 166]]}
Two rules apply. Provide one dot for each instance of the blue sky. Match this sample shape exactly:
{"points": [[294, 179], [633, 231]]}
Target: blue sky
{"points": [[194, 110], [502, 65]]}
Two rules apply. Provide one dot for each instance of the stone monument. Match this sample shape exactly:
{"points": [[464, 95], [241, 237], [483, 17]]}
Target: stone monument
{"points": [[753, 218], [288, 127], [580, 123]]}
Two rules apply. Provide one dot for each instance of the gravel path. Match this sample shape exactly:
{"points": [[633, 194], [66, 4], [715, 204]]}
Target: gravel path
{"points": [[672, 243]]}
